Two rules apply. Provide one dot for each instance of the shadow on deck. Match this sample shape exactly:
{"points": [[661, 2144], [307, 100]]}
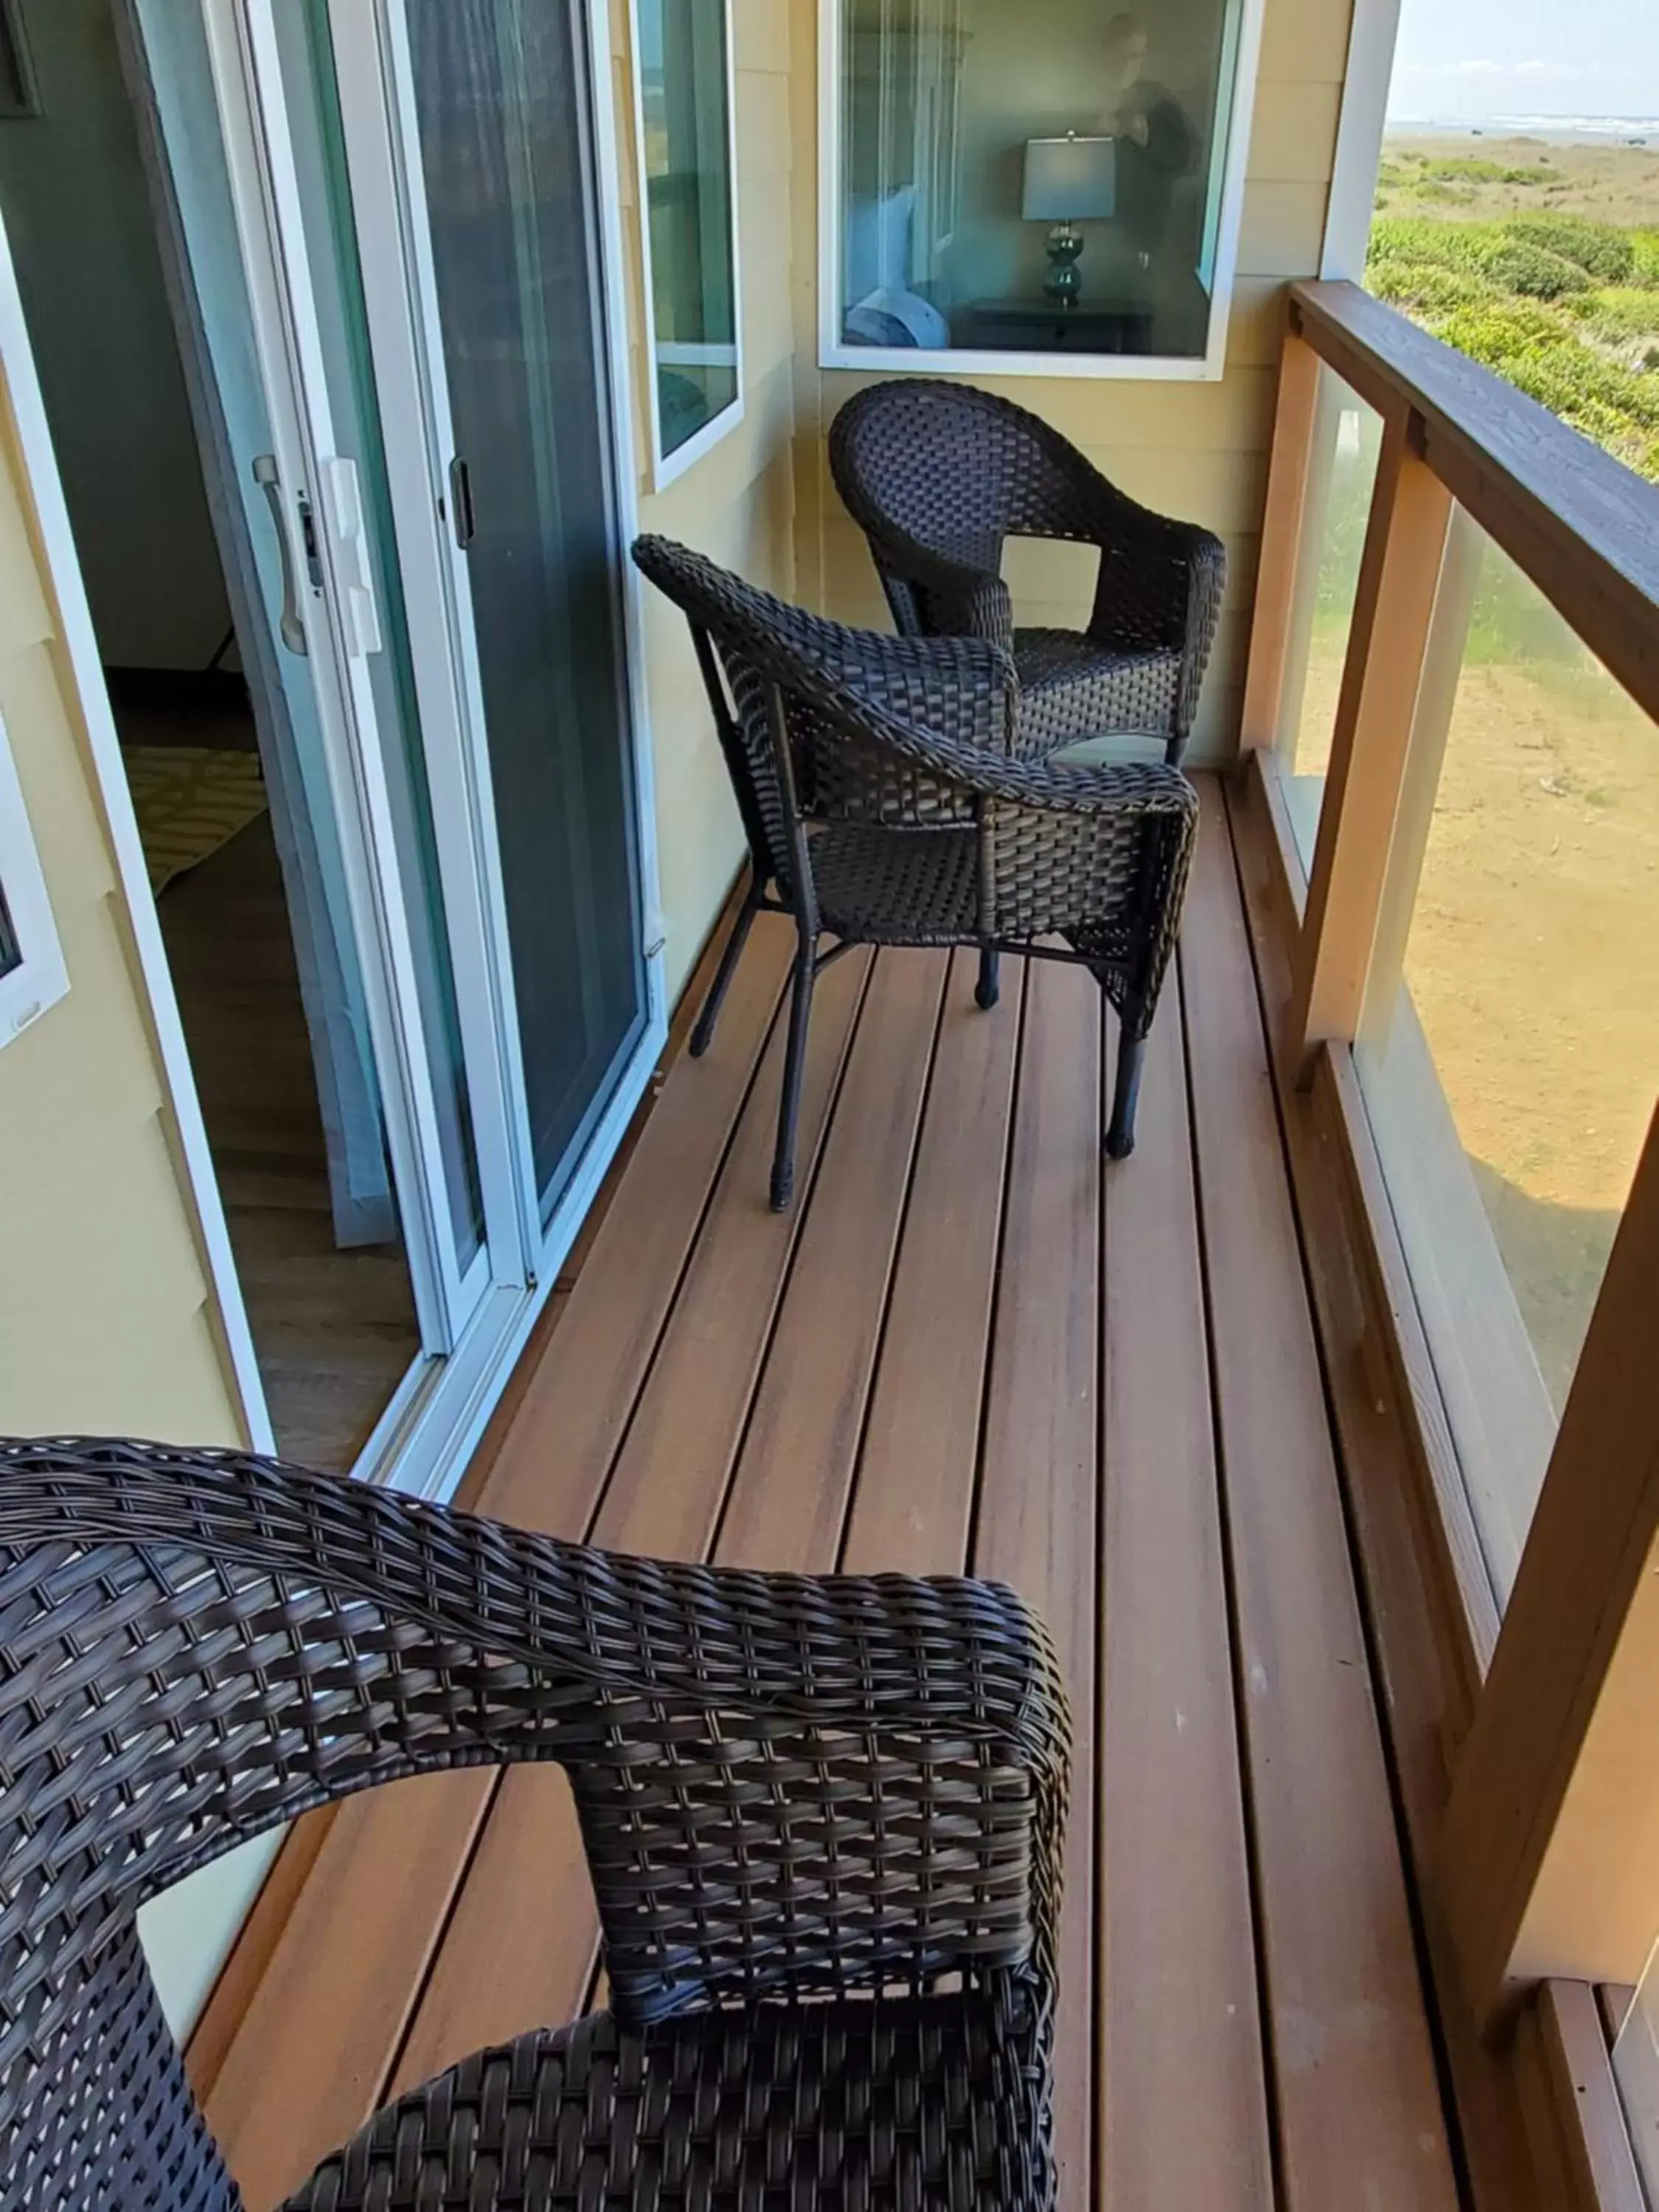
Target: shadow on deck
{"points": [[966, 1347]]}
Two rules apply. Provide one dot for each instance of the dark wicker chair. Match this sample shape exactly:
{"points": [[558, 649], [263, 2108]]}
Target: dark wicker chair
{"points": [[937, 475], [822, 1817], [885, 802]]}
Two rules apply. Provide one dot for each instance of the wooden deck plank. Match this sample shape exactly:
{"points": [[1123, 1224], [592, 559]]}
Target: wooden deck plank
{"points": [[497, 1973], [913, 1502], [788, 1502], [308, 2066], [584, 1390], [1359, 2113], [671, 1475], [1183, 2094], [1039, 1487]]}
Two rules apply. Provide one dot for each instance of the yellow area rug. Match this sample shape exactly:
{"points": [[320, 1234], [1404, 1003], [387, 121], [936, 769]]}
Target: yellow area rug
{"points": [[190, 800]]}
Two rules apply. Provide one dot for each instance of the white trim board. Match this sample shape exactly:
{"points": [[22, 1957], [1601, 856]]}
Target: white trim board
{"points": [[1359, 138], [667, 467], [85, 674]]}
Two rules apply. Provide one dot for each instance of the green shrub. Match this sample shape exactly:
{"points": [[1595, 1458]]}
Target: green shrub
{"points": [[1485, 249], [1475, 169], [1601, 249], [1618, 314], [1644, 258], [1422, 288]]}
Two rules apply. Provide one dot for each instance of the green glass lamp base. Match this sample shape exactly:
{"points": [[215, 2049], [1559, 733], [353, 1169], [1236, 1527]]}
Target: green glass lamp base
{"points": [[1063, 284]]}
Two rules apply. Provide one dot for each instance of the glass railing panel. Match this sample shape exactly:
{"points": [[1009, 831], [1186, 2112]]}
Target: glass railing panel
{"points": [[1348, 438], [1510, 1046], [1636, 2069]]}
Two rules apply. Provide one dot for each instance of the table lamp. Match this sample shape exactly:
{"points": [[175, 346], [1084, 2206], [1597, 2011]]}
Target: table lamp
{"points": [[1068, 180]]}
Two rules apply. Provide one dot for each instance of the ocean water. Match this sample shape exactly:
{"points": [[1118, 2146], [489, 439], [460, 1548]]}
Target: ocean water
{"points": [[1591, 130]]}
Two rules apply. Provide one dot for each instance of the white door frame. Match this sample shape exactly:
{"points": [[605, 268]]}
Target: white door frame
{"points": [[377, 93]]}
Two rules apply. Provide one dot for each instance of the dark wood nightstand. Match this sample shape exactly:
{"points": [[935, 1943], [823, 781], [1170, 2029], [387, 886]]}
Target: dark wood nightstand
{"points": [[1038, 326]]}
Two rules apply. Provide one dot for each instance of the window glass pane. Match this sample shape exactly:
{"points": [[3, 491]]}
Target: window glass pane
{"points": [[685, 147], [1341, 475], [1636, 2069], [1512, 1046], [1047, 183]]}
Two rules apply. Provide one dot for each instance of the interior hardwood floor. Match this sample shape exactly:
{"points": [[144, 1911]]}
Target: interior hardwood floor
{"points": [[333, 1327], [972, 1344]]}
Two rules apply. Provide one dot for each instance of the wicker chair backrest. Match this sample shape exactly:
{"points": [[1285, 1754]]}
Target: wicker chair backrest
{"points": [[858, 709], [956, 471], [198, 1646]]}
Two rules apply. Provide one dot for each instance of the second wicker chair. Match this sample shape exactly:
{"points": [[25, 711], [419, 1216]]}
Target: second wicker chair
{"points": [[938, 474], [884, 803]]}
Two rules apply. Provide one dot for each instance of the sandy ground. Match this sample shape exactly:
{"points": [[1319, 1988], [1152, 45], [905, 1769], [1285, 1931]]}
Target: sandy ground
{"points": [[1618, 184], [1534, 963]]}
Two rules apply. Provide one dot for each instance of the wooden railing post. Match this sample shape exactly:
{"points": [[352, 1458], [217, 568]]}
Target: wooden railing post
{"points": [[1274, 622], [1393, 610], [1547, 1857]]}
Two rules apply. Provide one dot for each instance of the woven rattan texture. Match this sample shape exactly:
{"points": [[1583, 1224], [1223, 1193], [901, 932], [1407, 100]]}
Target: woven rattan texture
{"points": [[910, 2104], [938, 476], [910, 735], [789, 1789]]}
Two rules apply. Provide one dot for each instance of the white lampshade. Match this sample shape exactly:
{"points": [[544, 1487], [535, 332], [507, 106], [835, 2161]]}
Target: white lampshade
{"points": [[1069, 179]]}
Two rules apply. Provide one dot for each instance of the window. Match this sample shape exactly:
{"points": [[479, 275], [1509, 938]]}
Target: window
{"points": [[999, 199], [31, 972], [683, 113]]}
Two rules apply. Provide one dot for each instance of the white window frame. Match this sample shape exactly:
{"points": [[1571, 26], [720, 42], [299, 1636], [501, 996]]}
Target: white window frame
{"points": [[1206, 368], [41, 978], [665, 467]]}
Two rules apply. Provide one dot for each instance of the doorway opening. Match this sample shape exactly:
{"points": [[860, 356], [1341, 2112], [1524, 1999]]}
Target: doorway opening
{"points": [[118, 215]]}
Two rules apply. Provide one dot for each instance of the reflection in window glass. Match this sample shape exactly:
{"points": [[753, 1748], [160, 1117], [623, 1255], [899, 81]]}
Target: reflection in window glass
{"points": [[1511, 1079], [1033, 182], [685, 151], [1341, 475]]}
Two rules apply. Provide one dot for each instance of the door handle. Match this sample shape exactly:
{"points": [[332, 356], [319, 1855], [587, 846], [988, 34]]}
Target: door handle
{"points": [[293, 629], [462, 511]]}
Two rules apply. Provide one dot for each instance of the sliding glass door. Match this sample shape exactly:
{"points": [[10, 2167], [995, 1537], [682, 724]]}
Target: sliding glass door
{"points": [[417, 207]]}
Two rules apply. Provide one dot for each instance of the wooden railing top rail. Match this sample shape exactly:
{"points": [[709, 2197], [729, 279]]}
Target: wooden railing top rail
{"points": [[1584, 527]]}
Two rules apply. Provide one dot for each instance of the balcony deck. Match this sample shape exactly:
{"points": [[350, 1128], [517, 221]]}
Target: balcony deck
{"points": [[966, 1347]]}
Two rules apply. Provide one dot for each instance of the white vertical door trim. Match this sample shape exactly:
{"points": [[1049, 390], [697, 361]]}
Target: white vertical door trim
{"points": [[1359, 130], [84, 668], [248, 85]]}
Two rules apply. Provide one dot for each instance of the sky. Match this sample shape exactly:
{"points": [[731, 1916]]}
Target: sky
{"points": [[1471, 60]]}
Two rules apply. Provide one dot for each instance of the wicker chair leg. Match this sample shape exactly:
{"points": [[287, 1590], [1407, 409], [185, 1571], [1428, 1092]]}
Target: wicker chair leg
{"points": [[800, 1008], [1120, 1131], [703, 1035], [988, 989]]}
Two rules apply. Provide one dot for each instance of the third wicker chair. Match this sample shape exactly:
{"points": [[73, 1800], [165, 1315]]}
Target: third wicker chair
{"points": [[886, 802], [938, 476]]}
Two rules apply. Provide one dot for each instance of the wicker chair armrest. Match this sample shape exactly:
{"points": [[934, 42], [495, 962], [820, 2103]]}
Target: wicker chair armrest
{"points": [[318, 1636], [960, 597]]}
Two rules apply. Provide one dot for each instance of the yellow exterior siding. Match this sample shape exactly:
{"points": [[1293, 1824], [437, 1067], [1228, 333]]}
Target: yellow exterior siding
{"points": [[104, 1316], [737, 503]]}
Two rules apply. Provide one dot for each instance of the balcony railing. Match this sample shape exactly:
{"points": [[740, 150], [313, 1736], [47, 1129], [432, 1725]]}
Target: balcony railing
{"points": [[1452, 766]]}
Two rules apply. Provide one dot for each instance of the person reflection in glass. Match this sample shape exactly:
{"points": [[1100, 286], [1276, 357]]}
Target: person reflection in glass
{"points": [[1156, 144]]}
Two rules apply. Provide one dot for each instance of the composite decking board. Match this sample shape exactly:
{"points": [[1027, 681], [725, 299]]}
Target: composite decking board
{"points": [[671, 1476], [517, 1951], [1360, 2118], [308, 2066], [787, 1506], [913, 1505], [1037, 1522], [496, 1974], [552, 1467], [1183, 2114]]}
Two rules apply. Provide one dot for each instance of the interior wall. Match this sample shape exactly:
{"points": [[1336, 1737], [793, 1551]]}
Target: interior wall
{"points": [[78, 217], [737, 503], [1195, 450]]}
